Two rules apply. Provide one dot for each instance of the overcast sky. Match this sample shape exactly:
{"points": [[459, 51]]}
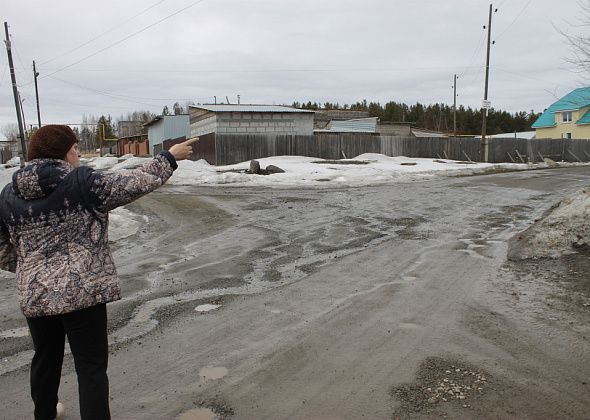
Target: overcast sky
{"points": [[118, 56]]}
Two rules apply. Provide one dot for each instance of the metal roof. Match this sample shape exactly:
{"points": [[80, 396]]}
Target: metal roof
{"points": [[250, 108], [161, 117], [360, 125], [576, 99]]}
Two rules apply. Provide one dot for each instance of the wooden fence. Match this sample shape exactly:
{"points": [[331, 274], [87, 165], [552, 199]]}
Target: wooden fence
{"points": [[6, 154], [227, 149]]}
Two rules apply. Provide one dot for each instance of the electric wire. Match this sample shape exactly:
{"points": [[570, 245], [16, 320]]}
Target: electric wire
{"points": [[100, 92], [4, 73], [102, 34], [536, 79], [125, 38], [515, 19], [127, 98], [278, 70], [475, 51], [22, 65]]}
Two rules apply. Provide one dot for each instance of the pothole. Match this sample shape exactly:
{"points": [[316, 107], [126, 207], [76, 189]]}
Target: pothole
{"points": [[212, 373], [198, 414], [440, 383]]}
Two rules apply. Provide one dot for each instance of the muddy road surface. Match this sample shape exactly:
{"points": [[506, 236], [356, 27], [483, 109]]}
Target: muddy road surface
{"points": [[378, 302]]}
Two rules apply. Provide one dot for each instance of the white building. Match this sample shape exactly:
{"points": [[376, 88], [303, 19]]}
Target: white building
{"points": [[249, 119]]}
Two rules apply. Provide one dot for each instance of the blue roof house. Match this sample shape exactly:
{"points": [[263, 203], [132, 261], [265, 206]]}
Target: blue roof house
{"points": [[567, 118]]}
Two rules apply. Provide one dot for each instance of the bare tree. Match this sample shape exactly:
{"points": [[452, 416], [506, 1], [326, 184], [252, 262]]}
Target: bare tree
{"points": [[579, 41], [10, 131]]}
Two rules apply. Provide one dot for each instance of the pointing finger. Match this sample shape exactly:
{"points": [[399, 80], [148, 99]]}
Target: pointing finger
{"points": [[191, 141]]}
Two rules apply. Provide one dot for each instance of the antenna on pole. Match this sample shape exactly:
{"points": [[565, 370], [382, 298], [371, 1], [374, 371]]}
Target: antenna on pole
{"points": [[21, 131]]}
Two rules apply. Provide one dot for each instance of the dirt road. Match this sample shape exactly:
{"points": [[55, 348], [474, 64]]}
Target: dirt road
{"points": [[378, 302]]}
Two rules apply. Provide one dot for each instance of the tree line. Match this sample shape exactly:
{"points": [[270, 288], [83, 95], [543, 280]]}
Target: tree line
{"points": [[437, 117]]}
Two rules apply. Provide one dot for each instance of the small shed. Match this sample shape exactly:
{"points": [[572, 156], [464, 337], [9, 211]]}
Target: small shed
{"points": [[166, 127]]}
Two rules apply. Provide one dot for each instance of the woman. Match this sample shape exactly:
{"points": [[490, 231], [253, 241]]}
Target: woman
{"points": [[54, 235]]}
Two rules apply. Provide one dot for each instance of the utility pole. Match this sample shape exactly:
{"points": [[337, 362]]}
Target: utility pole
{"points": [[22, 110], [36, 74], [21, 131], [485, 103], [455, 106]]}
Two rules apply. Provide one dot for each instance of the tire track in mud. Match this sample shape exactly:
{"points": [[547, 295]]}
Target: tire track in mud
{"points": [[265, 255]]}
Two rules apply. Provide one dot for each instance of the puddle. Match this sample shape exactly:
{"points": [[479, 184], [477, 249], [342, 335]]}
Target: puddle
{"points": [[15, 333], [408, 326], [206, 307], [198, 414], [212, 372]]}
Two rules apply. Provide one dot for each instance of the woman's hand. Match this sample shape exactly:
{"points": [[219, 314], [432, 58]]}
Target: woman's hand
{"points": [[183, 150]]}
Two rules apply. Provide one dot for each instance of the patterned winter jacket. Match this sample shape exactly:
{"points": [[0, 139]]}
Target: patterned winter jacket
{"points": [[54, 231]]}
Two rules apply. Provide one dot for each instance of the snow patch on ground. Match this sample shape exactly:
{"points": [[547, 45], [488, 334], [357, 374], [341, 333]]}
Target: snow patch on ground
{"points": [[124, 223], [366, 169], [563, 229]]}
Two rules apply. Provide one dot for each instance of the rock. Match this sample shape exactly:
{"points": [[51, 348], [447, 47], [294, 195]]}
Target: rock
{"points": [[254, 167], [272, 169], [550, 162]]}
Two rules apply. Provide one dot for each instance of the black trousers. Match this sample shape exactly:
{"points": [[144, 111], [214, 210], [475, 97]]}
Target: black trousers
{"points": [[87, 334]]}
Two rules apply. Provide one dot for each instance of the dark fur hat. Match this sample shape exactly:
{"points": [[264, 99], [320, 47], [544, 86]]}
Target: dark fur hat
{"points": [[51, 142]]}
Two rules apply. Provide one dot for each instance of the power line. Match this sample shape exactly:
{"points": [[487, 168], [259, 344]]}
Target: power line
{"points": [[3, 74], [515, 19], [102, 34], [22, 65], [127, 97], [100, 92], [301, 70], [126, 38], [477, 48]]}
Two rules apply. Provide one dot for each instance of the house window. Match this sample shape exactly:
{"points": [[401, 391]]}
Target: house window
{"points": [[566, 116], [567, 135]]}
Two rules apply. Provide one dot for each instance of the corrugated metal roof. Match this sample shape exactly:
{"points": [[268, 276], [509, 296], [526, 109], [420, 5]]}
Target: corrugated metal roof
{"points": [[585, 118], [360, 125], [161, 117], [576, 99], [250, 108], [514, 135]]}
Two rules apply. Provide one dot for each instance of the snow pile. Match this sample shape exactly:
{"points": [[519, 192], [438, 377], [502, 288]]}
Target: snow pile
{"points": [[366, 169], [129, 163], [124, 223], [6, 175], [12, 162], [561, 231], [102, 163]]}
